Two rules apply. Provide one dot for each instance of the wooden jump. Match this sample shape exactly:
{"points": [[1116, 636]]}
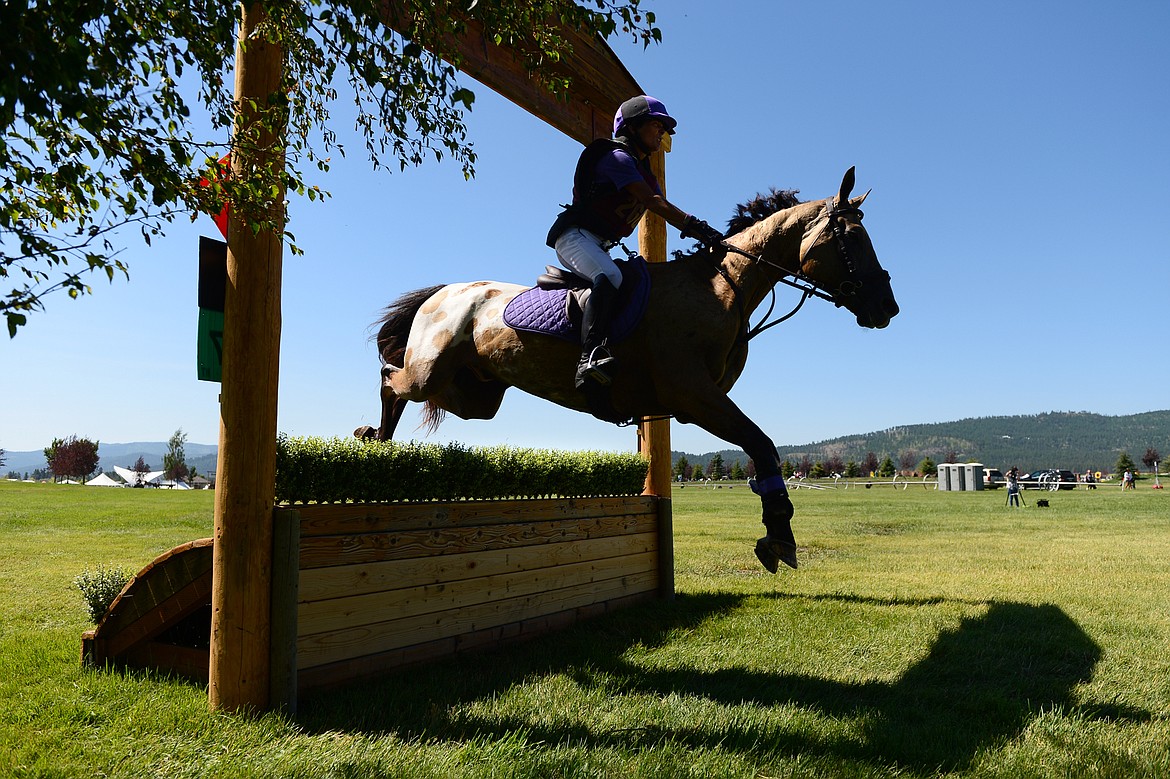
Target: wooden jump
{"points": [[362, 589], [149, 624]]}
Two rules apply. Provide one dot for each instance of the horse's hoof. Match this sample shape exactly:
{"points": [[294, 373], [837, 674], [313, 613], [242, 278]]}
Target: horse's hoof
{"points": [[366, 433], [772, 552]]}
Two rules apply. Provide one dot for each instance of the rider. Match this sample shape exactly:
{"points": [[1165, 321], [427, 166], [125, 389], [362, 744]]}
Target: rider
{"points": [[612, 188]]}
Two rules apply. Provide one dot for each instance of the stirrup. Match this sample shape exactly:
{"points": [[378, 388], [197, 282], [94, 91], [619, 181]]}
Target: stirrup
{"points": [[593, 368]]}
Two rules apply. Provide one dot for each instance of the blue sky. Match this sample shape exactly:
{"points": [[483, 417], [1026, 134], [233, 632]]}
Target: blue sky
{"points": [[1018, 158]]}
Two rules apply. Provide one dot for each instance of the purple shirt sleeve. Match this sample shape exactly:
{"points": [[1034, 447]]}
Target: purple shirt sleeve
{"points": [[621, 170]]}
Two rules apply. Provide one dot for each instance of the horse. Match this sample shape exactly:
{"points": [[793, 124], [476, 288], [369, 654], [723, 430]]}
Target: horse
{"points": [[447, 346]]}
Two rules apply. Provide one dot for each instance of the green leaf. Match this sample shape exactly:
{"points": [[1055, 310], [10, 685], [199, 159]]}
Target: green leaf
{"points": [[15, 320]]}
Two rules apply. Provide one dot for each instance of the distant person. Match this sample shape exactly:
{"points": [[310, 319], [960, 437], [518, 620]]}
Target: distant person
{"points": [[1127, 480], [1013, 486], [1090, 480]]}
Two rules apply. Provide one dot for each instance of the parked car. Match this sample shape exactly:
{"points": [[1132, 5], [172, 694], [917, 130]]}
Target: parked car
{"points": [[993, 479], [1049, 479]]}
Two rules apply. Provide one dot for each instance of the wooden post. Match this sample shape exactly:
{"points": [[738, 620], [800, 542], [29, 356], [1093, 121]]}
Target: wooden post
{"points": [[654, 437], [246, 472]]}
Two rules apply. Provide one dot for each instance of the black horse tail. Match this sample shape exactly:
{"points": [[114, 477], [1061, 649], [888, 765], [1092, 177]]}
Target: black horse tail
{"points": [[394, 326]]}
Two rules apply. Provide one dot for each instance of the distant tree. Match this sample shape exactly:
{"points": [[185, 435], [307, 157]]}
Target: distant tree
{"points": [[952, 457], [736, 471], [834, 464], [682, 467], [50, 451], [907, 459], [852, 469], [174, 462], [787, 469], [141, 469], [887, 467], [1149, 458], [928, 467], [870, 463], [73, 457], [715, 467], [750, 470], [806, 465], [1124, 463], [818, 470]]}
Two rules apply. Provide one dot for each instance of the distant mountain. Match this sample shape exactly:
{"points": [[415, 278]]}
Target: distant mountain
{"points": [[201, 457], [1073, 440]]}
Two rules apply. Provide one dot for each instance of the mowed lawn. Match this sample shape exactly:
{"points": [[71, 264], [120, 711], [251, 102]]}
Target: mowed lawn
{"points": [[926, 634]]}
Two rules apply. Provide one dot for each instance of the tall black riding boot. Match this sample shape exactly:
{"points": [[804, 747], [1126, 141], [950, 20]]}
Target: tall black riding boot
{"points": [[595, 322]]}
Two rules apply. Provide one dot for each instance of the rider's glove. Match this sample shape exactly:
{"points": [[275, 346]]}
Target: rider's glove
{"points": [[694, 227]]}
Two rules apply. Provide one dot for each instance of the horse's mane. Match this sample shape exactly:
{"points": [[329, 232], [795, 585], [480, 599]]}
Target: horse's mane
{"points": [[759, 208]]}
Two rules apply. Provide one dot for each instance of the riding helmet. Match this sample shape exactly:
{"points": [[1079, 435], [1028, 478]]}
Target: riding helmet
{"points": [[642, 107]]}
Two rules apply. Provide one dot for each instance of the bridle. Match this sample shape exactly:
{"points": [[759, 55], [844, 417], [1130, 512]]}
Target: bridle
{"points": [[809, 287]]}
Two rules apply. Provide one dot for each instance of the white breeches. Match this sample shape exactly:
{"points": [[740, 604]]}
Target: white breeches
{"points": [[583, 253]]}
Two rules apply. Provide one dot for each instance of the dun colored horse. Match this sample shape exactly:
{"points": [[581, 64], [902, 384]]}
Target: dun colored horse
{"points": [[448, 347]]}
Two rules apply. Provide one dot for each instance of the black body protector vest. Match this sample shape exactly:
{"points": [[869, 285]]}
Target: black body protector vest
{"points": [[598, 206]]}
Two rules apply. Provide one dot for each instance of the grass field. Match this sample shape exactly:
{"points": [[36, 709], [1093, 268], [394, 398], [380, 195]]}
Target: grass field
{"points": [[926, 634]]}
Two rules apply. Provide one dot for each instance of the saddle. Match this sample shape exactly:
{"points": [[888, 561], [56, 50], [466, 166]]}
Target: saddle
{"points": [[553, 307]]}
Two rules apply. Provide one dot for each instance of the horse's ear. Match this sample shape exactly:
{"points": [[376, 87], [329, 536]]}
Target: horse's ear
{"points": [[846, 186], [857, 201]]}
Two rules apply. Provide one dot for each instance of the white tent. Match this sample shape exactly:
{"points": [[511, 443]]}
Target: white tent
{"points": [[103, 480], [132, 478]]}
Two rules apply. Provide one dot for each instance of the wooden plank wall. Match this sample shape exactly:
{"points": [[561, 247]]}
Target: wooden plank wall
{"points": [[386, 585]]}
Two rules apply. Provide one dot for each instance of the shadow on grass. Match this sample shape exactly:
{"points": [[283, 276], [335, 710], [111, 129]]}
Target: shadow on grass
{"points": [[980, 684]]}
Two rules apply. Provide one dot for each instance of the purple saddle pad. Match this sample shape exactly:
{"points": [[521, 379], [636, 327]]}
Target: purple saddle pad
{"points": [[546, 311]]}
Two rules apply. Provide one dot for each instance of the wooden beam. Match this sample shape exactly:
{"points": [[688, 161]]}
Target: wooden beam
{"points": [[599, 80], [246, 472]]}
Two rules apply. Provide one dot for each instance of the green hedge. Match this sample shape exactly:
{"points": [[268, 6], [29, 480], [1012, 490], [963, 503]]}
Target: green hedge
{"points": [[335, 470]]}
